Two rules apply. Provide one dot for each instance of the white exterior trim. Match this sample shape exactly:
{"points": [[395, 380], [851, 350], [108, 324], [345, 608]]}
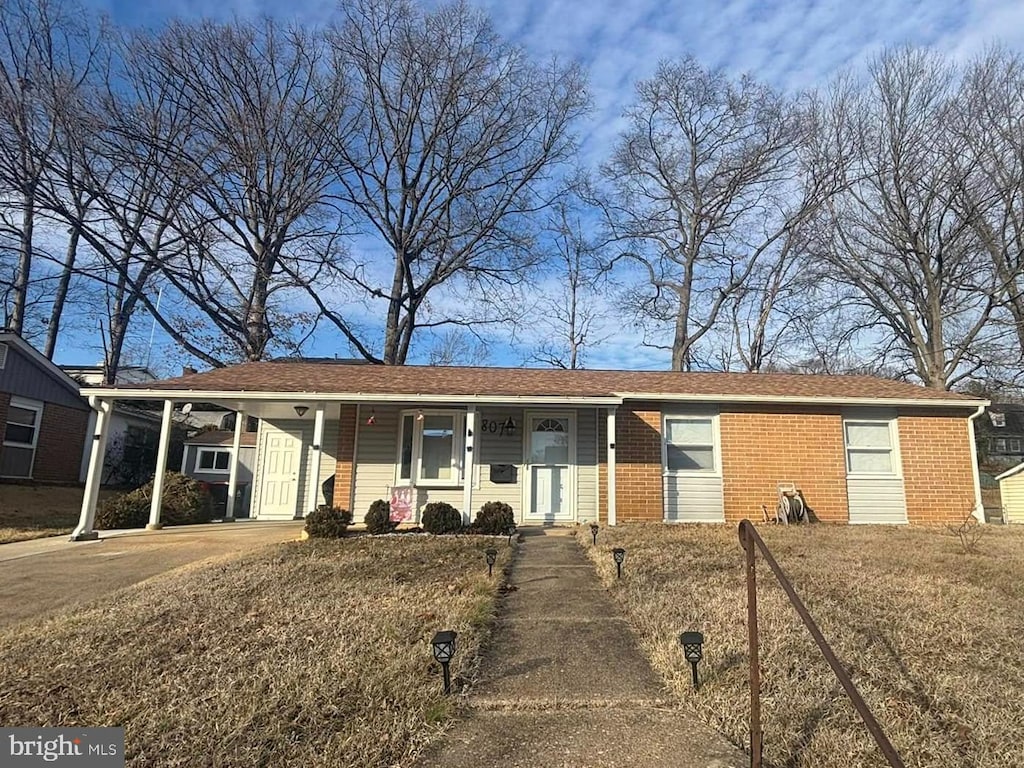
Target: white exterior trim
{"points": [[38, 407], [214, 449]]}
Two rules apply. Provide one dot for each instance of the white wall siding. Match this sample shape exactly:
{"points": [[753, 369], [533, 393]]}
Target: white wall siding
{"points": [[1011, 490], [498, 448], [876, 500], [586, 461], [694, 499]]}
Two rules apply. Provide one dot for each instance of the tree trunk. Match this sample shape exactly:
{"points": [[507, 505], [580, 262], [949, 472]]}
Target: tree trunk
{"points": [[16, 323], [60, 295]]}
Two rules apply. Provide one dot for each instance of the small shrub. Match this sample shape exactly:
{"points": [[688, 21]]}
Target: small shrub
{"points": [[185, 502], [378, 519], [328, 522], [439, 517], [495, 518]]}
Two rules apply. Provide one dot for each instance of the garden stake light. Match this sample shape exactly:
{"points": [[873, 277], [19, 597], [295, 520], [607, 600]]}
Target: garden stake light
{"points": [[692, 642], [618, 555], [491, 555], [444, 650], [593, 532]]}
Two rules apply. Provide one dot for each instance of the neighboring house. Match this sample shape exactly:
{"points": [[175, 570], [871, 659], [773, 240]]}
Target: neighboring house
{"points": [[207, 457], [134, 430], [1011, 490], [1001, 435], [572, 446], [43, 418]]}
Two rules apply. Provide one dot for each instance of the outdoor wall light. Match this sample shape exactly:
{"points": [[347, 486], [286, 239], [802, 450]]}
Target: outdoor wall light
{"points": [[491, 554], [372, 418], [594, 528], [618, 555], [692, 642], [509, 426], [444, 650], [300, 410]]}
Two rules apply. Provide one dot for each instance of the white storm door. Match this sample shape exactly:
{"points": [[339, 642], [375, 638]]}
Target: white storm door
{"points": [[280, 475], [550, 460]]}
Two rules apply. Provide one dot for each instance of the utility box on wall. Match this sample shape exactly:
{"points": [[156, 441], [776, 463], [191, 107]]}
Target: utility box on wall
{"points": [[504, 473]]}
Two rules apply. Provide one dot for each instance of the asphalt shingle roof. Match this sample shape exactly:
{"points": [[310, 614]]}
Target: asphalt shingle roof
{"points": [[332, 378]]}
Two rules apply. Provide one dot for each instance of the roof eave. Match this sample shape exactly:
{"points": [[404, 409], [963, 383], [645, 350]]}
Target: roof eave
{"points": [[817, 399]]}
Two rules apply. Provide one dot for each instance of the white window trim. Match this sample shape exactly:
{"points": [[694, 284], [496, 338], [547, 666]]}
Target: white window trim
{"points": [[458, 442], [894, 445], [214, 471], [716, 444], [28, 405]]}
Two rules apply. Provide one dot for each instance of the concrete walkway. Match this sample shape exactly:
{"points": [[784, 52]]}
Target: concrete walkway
{"points": [[564, 685]]}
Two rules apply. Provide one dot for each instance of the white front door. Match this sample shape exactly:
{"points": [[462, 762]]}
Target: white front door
{"points": [[550, 449], [280, 476]]}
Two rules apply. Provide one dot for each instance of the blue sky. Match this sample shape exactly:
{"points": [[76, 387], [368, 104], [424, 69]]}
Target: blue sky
{"points": [[792, 44]]}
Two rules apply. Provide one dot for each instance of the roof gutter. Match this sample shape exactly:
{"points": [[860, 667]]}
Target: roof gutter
{"points": [[979, 507], [345, 397], [817, 400]]}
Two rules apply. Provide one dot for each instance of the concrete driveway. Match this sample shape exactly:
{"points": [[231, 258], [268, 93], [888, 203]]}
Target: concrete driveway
{"points": [[42, 576]]}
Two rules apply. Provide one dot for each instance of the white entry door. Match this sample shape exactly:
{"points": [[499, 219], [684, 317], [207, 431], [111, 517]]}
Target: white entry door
{"points": [[550, 448], [280, 476]]}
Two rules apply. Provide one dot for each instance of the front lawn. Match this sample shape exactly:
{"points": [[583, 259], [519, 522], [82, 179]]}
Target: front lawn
{"points": [[308, 653], [932, 636], [37, 511]]}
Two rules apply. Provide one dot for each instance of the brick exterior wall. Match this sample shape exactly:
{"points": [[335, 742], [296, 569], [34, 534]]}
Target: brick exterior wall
{"points": [[60, 445], [344, 470], [938, 477], [764, 447], [638, 478]]}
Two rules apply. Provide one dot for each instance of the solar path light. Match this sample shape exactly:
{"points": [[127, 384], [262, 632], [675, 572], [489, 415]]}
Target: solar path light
{"points": [[618, 555], [594, 528], [444, 650], [491, 554], [692, 643]]}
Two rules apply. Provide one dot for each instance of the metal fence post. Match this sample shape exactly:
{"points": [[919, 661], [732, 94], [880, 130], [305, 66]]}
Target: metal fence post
{"points": [[753, 642]]}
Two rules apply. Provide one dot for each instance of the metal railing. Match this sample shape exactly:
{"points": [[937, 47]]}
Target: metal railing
{"points": [[750, 540]]}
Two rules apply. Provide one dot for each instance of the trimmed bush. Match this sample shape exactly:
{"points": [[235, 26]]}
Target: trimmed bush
{"points": [[328, 522], [495, 518], [185, 502], [378, 519], [440, 517]]}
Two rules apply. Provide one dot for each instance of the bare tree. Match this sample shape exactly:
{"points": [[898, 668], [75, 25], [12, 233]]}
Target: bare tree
{"points": [[451, 138], [569, 314], [46, 52], [259, 156], [988, 122], [898, 237], [705, 179]]}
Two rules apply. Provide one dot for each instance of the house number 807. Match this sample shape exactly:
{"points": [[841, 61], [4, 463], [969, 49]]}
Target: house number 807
{"points": [[506, 427]]}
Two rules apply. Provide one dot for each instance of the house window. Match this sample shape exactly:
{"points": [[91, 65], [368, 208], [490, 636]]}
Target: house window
{"points": [[21, 435], [1006, 445], [217, 460], [870, 447], [690, 444], [428, 448]]}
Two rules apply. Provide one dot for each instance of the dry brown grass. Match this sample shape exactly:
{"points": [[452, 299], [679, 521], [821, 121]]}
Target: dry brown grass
{"points": [[933, 637], [37, 511], [301, 654]]}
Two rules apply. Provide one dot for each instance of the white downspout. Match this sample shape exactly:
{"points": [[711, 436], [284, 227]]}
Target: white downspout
{"points": [[979, 508]]}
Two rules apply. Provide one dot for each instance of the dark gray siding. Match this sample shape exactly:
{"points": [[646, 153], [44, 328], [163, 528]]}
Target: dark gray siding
{"points": [[24, 378]]}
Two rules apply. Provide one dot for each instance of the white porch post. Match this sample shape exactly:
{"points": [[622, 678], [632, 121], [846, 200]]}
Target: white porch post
{"points": [[161, 467], [611, 466], [313, 492], [94, 476], [468, 465], [236, 442]]}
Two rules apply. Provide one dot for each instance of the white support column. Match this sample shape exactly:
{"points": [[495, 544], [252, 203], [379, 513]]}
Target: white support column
{"points": [[161, 468], [313, 492], [468, 465], [94, 475], [236, 443], [611, 466]]}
